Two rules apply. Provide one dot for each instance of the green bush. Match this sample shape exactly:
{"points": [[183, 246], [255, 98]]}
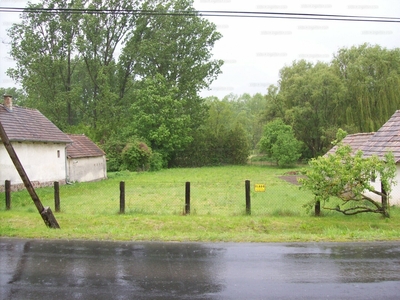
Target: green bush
{"points": [[136, 156]]}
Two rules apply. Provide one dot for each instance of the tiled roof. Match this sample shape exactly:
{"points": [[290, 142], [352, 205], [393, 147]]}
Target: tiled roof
{"points": [[25, 124], [386, 139], [355, 141], [82, 146]]}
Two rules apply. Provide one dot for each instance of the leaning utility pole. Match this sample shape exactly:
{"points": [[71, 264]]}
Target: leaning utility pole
{"points": [[45, 212]]}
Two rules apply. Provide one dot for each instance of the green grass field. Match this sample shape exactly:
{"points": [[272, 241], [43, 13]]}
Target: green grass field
{"points": [[155, 205]]}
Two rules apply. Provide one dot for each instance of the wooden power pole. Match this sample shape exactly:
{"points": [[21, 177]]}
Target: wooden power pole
{"points": [[46, 213]]}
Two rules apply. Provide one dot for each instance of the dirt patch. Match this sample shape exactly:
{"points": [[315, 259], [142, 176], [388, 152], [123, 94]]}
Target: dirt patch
{"points": [[293, 179]]}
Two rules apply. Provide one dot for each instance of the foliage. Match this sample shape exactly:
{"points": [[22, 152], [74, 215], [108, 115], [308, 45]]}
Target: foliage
{"points": [[211, 149], [160, 118], [128, 154], [156, 161], [348, 175], [136, 156], [371, 77], [356, 91], [94, 70], [18, 95], [236, 145], [311, 95], [279, 143], [113, 148], [221, 140]]}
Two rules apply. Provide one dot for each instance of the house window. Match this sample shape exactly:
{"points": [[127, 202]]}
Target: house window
{"points": [[58, 153]]}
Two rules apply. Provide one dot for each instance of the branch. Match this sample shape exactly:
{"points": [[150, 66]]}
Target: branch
{"points": [[363, 198], [354, 210]]}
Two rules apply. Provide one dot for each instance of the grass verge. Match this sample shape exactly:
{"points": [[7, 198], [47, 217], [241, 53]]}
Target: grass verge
{"points": [[203, 228]]}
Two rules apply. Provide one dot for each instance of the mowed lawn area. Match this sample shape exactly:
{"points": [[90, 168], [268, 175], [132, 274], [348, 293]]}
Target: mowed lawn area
{"points": [[155, 206]]}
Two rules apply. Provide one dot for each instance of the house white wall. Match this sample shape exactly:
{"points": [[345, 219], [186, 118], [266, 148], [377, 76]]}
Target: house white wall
{"points": [[395, 193], [43, 162], [86, 169]]}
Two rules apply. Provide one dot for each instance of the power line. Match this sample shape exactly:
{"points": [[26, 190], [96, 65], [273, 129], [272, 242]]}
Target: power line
{"points": [[235, 14]]}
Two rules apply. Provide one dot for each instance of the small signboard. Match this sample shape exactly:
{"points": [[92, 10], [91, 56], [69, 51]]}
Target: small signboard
{"points": [[259, 187]]}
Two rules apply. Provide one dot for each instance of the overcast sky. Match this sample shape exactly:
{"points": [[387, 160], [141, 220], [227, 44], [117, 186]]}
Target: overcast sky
{"points": [[255, 49]]}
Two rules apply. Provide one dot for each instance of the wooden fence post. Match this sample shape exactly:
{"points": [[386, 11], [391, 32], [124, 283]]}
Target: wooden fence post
{"points": [[187, 198], [57, 196], [7, 186], [247, 190], [317, 209], [122, 197]]}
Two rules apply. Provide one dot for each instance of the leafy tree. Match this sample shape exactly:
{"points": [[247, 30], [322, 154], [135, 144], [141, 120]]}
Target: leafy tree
{"points": [[176, 47], [279, 143], [236, 146], [159, 118], [348, 176], [99, 36], [43, 48], [311, 95], [68, 66]]}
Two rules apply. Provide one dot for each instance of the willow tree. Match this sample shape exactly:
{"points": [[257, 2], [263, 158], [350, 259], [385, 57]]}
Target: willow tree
{"points": [[371, 76]]}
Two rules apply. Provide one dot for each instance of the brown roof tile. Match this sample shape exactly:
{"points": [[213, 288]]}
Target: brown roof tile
{"points": [[25, 124], [355, 141], [386, 139], [82, 146]]}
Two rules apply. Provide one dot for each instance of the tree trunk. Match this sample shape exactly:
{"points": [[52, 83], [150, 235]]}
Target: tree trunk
{"points": [[385, 212], [317, 209]]}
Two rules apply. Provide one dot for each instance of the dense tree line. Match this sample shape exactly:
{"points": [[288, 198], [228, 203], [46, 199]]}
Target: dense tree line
{"points": [[357, 91], [117, 76]]}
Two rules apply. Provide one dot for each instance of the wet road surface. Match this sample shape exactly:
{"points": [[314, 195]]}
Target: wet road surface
{"points": [[43, 269]]}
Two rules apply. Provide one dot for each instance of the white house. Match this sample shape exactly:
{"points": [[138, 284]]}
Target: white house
{"points": [[39, 144], [85, 161], [386, 139]]}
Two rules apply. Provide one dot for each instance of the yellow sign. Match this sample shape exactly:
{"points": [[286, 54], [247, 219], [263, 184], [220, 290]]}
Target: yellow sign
{"points": [[259, 187]]}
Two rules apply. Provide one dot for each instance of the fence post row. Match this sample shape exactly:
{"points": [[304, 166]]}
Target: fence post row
{"points": [[7, 186], [247, 190], [122, 197], [187, 198]]}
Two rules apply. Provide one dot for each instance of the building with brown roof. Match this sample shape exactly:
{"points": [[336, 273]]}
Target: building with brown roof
{"points": [[386, 139], [39, 144], [85, 160]]}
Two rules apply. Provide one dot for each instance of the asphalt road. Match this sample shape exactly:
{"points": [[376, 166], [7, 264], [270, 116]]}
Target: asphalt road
{"points": [[46, 269]]}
